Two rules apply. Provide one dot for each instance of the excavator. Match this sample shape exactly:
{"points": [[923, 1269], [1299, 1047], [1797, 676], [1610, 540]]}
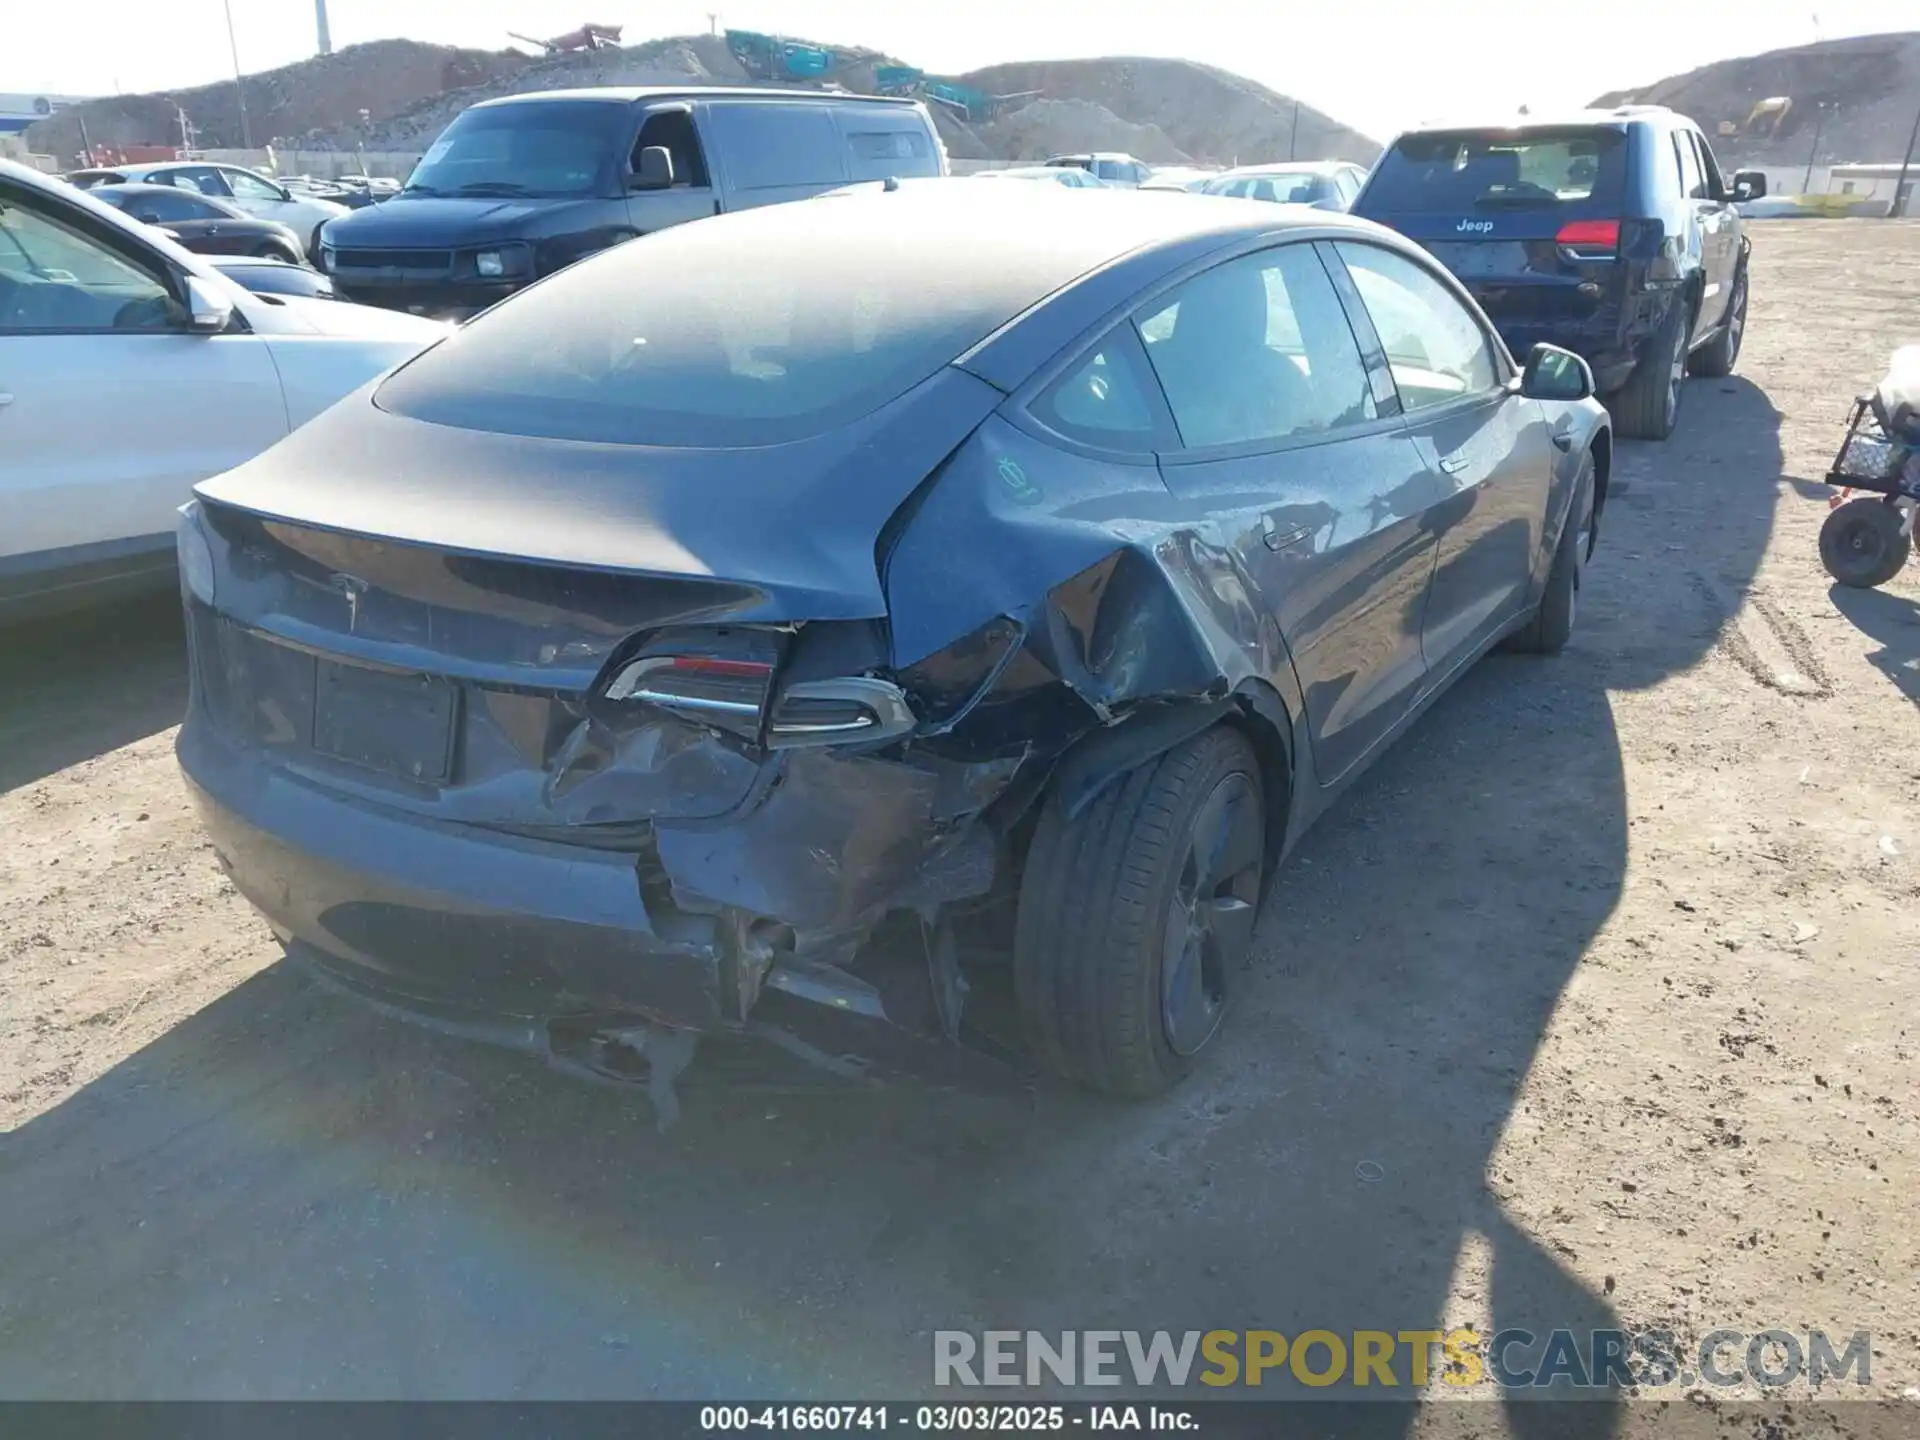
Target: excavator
{"points": [[587, 37]]}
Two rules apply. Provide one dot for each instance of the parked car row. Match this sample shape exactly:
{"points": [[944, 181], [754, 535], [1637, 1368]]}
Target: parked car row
{"points": [[252, 193]]}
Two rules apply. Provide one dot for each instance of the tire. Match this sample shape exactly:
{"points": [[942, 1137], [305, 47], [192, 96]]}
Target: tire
{"points": [[1647, 407], [1720, 357], [276, 252], [1864, 543], [1121, 982], [1551, 627]]}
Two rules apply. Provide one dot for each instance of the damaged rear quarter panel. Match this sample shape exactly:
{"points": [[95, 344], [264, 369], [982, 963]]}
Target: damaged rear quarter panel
{"points": [[1122, 593]]}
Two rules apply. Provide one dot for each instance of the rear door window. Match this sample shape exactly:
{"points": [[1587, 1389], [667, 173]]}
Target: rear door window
{"points": [[1692, 184], [1257, 349], [1468, 170], [770, 145]]}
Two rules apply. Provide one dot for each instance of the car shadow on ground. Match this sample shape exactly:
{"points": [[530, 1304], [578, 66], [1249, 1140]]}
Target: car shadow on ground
{"points": [[1698, 508], [80, 685], [286, 1195], [1893, 621]]}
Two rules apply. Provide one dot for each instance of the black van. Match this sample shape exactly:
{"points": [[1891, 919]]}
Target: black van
{"points": [[1609, 233], [518, 187]]}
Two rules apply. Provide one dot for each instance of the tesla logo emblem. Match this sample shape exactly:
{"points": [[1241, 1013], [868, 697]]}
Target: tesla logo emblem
{"points": [[351, 589], [1473, 227]]}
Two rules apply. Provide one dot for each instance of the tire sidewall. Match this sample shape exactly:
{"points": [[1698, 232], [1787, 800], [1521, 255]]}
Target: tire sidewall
{"points": [[1232, 755]]}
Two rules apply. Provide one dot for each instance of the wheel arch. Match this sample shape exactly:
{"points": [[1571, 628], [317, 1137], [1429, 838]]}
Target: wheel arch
{"points": [[1601, 448], [1254, 708]]}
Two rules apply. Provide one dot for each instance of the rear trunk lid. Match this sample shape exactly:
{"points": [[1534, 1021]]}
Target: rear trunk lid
{"points": [[430, 616], [1528, 219], [787, 531]]}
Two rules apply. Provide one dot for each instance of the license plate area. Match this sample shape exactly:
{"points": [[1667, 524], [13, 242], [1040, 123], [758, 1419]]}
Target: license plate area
{"points": [[396, 722]]}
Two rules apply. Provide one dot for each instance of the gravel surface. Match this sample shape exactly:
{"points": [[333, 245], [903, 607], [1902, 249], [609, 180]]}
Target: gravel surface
{"points": [[1594, 1003]]}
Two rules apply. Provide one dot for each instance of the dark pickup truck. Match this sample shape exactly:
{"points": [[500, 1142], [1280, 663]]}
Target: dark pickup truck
{"points": [[1610, 233]]}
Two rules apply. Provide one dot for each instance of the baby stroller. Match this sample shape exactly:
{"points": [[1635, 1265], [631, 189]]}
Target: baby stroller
{"points": [[1869, 534]]}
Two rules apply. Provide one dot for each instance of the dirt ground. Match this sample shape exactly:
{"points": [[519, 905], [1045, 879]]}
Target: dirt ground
{"points": [[1595, 1003]]}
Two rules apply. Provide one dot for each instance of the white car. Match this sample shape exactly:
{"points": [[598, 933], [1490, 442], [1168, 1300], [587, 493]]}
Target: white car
{"points": [[130, 370], [252, 192], [1071, 177]]}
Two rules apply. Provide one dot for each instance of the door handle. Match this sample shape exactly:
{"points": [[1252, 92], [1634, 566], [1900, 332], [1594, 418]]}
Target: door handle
{"points": [[1454, 464], [1276, 539], [5, 400]]}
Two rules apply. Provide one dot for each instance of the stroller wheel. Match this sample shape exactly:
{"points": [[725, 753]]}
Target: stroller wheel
{"points": [[1864, 543]]}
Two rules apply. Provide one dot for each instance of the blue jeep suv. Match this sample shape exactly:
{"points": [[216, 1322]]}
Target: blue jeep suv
{"points": [[1611, 233]]}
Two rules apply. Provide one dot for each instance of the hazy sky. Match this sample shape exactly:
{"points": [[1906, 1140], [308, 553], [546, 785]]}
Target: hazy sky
{"points": [[1376, 64]]}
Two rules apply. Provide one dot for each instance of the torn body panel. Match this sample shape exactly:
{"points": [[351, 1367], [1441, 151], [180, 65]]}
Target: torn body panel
{"points": [[672, 863]]}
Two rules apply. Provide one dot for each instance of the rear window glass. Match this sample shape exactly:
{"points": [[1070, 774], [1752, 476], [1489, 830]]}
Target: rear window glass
{"points": [[756, 328], [1491, 169]]}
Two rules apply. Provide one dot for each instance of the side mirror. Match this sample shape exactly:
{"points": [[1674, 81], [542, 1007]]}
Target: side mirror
{"points": [[1555, 374], [1749, 184], [655, 171], [209, 311], [147, 217]]}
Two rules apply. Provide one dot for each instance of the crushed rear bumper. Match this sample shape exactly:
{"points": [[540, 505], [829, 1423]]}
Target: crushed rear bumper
{"points": [[537, 944]]}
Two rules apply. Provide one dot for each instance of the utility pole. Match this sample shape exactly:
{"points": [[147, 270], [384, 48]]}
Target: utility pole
{"points": [[1900, 192], [1819, 119], [239, 85], [1293, 132], [320, 26]]}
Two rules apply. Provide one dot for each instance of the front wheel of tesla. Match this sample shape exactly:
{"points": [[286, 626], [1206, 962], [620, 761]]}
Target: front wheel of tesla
{"points": [[1136, 916]]}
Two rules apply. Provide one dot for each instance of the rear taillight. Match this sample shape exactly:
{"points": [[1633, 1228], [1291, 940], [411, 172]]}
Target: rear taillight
{"points": [[732, 695], [1590, 237], [833, 712], [728, 694]]}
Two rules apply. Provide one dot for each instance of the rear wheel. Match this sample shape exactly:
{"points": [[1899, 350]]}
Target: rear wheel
{"points": [[1648, 406], [1136, 914], [1720, 357], [1864, 543]]}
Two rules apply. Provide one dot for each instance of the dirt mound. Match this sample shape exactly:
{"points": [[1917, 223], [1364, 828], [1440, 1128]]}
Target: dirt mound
{"points": [[1202, 113], [382, 77], [1048, 127], [1169, 111], [1862, 93]]}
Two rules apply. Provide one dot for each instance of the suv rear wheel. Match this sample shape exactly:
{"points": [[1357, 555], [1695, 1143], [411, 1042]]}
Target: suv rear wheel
{"points": [[1648, 406], [1720, 357], [1136, 914]]}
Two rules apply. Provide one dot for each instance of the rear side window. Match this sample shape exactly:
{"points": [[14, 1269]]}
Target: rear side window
{"points": [[1103, 399], [889, 145], [170, 207], [1463, 170], [1258, 349], [775, 146]]}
